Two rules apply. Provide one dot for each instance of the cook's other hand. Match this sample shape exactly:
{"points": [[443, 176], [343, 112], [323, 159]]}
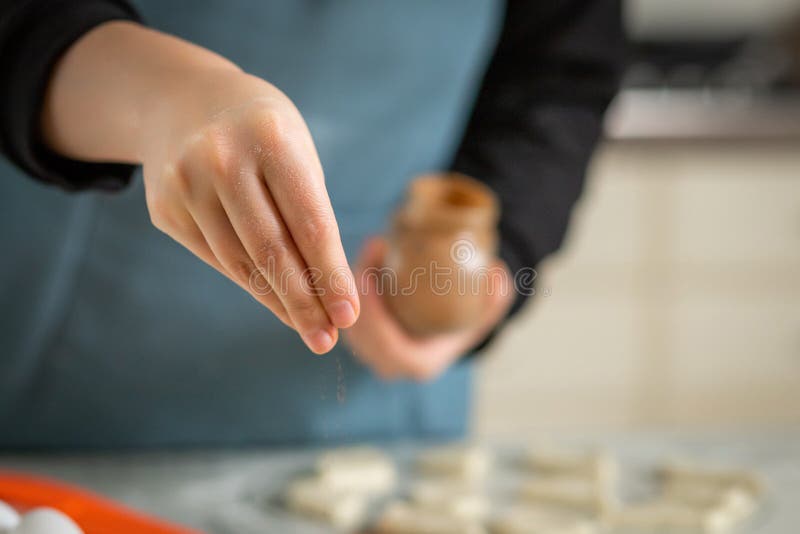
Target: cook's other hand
{"points": [[379, 341], [230, 169]]}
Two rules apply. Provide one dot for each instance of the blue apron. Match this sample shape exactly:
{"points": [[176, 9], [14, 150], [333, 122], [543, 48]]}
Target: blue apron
{"points": [[113, 335]]}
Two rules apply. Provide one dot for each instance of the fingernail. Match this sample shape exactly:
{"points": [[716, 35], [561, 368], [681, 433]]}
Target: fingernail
{"points": [[319, 341], [342, 314]]}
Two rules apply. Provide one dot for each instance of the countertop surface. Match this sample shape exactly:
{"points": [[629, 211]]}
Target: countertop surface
{"points": [[224, 492]]}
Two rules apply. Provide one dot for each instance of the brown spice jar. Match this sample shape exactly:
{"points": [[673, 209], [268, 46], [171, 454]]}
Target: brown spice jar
{"points": [[442, 243]]}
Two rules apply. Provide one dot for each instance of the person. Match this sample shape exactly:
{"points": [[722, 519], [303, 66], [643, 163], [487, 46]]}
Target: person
{"points": [[114, 335]]}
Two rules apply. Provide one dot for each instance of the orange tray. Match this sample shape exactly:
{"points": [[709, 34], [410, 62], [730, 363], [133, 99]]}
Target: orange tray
{"points": [[94, 514]]}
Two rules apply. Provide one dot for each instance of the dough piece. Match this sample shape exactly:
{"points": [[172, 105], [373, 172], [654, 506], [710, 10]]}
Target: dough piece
{"points": [[460, 462], [578, 494], [314, 498], [404, 518], [683, 474], [526, 519], [735, 502], [594, 465], [669, 517], [352, 455], [9, 518], [358, 469], [46, 521], [450, 498]]}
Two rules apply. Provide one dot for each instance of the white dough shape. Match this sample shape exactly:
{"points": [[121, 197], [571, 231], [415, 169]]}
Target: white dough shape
{"points": [[461, 462], [313, 498], [679, 473], [591, 464], [736, 504], [730, 505], [360, 454], [358, 469], [46, 521], [450, 498], [704, 496], [532, 520], [567, 492], [664, 516], [9, 518], [404, 518]]}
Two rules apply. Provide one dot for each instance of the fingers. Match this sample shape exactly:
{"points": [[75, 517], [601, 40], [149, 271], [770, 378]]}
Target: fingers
{"points": [[295, 181], [251, 181], [232, 258], [372, 254], [192, 238], [499, 299], [234, 210], [368, 339], [381, 342], [443, 350], [205, 232], [391, 331], [255, 220]]}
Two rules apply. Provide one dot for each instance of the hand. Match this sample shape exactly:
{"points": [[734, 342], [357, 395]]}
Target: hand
{"points": [[231, 173], [379, 341], [230, 170]]}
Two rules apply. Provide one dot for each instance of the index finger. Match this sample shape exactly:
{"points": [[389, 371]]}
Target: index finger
{"points": [[297, 185]]}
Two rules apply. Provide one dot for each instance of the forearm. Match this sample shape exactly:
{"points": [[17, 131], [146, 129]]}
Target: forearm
{"points": [[230, 170], [109, 85], [539, 115]]}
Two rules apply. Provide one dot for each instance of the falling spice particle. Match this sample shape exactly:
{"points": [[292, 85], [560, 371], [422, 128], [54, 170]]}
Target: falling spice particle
{"points": [[341, 388]]}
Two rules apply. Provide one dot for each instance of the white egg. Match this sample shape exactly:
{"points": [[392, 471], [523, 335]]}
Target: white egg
{"points": [[9, 518], [47, 521]]}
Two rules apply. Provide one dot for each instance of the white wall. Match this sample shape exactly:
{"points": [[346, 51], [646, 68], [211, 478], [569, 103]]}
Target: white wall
{"points": [[706, 18], [676, 299]]}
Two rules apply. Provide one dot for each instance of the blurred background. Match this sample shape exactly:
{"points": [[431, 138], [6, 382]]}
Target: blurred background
{"points": [[676, 298]]}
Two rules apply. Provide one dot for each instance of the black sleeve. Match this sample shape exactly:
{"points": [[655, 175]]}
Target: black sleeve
{"points": [[33, 36], [538, 117]]}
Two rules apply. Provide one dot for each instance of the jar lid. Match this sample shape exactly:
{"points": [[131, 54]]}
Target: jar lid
{"points": [[446, 201]]}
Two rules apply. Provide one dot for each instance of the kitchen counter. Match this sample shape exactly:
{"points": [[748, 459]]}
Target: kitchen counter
{"points": [[235, 491]]}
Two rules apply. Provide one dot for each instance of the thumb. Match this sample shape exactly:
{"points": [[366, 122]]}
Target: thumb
{"points": [[500, 296], [372, 254]]}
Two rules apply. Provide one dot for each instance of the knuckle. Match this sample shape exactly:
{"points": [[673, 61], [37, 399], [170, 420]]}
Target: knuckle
{"points": [[274, 253], [304, 309], [159, 214], [317, 227], [243, 270], [271, 124], [258, 284], [274, 133], [216, 152], [182, 183]]}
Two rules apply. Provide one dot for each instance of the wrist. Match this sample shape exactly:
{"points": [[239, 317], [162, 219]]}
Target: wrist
{"points": [[176, 90], [120, 74], [177, 101], [195, 99]]}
